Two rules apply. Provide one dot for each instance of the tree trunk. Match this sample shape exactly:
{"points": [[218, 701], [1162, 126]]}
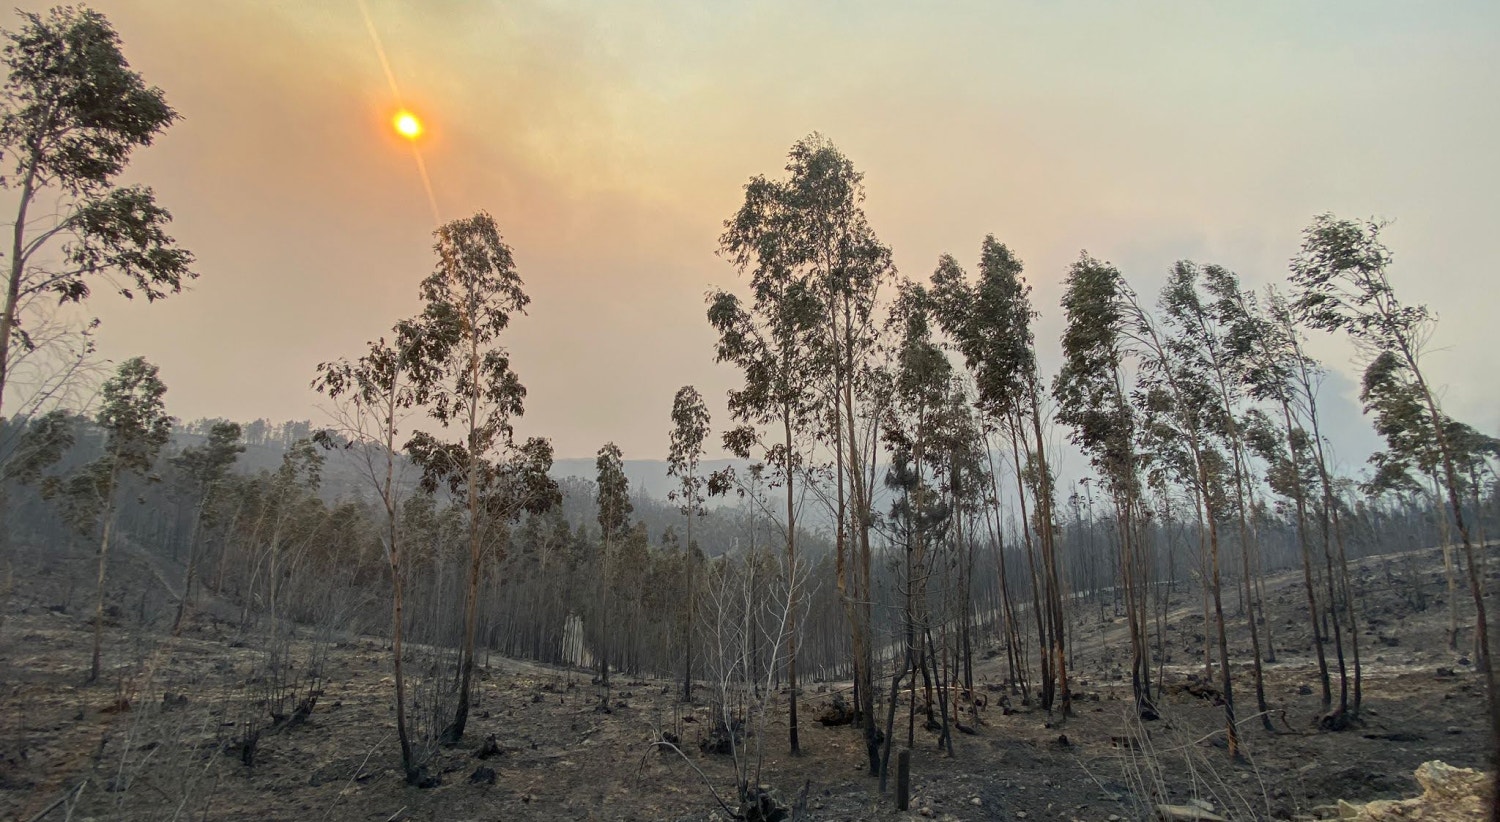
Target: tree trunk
{"points": [[1047, 530], [1044, 662], [455, 730], [1300, 498], [1231, 731], [109, 521], [192, 571], [1476, 584], [17, 270], [791, 570]]}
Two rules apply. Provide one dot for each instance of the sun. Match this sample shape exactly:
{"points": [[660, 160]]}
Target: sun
{"points": [[407, 125]]}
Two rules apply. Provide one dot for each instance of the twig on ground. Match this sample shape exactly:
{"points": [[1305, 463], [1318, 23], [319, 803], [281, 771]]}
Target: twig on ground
{"points": [[355, 775]]}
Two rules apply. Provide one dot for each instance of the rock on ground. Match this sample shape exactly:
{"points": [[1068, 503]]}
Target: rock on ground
{"points": [[1449, 794]]}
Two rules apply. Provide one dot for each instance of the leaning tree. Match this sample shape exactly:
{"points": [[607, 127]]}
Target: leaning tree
{"points": [[989, 320], [1092, 400], [1342, 279]]}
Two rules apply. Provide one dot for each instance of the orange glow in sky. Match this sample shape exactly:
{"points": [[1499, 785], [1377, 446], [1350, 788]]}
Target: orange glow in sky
{"points": [[407, 125]]}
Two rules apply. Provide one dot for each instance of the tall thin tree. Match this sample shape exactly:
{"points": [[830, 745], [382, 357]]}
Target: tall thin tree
{"points": [[463, 370], [807, 237], [1342, 280], [768, 340], [613, 514], [690, 421], [1093, 401]]}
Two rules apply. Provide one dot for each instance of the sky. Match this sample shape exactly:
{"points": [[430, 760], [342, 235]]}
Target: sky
{"points": [[611, 140]]}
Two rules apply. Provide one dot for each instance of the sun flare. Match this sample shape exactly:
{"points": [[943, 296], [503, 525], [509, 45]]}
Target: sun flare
{"points": [[407, 125]]}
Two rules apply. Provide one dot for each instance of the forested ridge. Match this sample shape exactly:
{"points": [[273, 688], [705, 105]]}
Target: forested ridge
{"points": [[890, 518]]}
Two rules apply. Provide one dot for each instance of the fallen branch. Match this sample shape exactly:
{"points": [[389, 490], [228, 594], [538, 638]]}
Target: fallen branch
{"points": [[662, 743]]}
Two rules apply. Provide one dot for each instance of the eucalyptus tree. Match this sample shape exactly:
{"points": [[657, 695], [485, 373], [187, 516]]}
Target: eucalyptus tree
{"points": [[289, 492], [462, 371], [690, 422], [613, 515], [1474, 454], [74, 113], [807, 237], [134, 420], [42, 444], [373, 397], [919, 388], [768, 340], [938, 471], [964, 481], [1198, 337], [203, 469], [1263, 343], [1392, 398], [1177, 427], [990, 323], [1093, 402], [1342, 282], [1306, 376]]}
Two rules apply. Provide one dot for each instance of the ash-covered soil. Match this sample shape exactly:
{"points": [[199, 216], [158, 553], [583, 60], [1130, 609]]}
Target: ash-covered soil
{"points": [[163, 735]]}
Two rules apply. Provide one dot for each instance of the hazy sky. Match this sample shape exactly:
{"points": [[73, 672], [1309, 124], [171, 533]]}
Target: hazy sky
{"points": [[610, 140]]}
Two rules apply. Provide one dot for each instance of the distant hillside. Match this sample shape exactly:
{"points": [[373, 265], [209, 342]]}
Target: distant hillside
{"points": [[342, 476], [648, 476]]}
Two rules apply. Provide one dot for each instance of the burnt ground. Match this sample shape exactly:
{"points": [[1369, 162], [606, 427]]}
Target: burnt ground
{"points": [[164, 735]]}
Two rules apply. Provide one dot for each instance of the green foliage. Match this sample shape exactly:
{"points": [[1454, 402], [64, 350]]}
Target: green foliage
{"points": [[301, 468], [1089, 387], [923, 373], [76, 110], [1291, 464], [783, 236], [614, 492], [205, 466], [455, 354], [690, 421], [1391, 395], [461, 373], [1342, 285], [990, 323], [44, 442], [133, 418], [74, 113], [375, 380]]}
